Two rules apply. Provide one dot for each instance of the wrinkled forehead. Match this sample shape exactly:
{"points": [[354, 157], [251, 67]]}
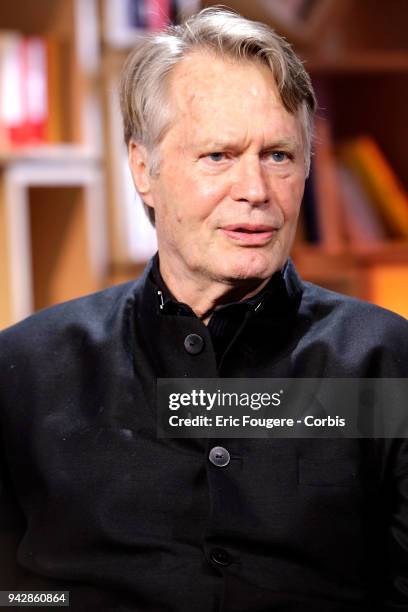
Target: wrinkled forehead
{"points": [[209, 95], [203, 80]]}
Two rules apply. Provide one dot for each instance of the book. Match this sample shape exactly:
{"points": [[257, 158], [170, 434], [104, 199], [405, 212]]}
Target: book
{"points": [[149, 15], [57, 85], [329, 209], [363, 224], [36, 89], [125, 20], [12, 92], [365, 158], [158, 13], [23, 90]]}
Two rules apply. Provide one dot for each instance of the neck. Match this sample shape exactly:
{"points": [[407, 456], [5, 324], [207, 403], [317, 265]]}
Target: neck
{"points": [[203, 295]]}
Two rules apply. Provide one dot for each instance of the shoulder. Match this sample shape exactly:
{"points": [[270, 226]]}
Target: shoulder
{"points": [[337, 309], [358, 337], [92, 314]]}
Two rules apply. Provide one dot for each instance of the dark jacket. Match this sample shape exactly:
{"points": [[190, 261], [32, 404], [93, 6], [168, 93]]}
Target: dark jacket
{"points": [[100, 506]]}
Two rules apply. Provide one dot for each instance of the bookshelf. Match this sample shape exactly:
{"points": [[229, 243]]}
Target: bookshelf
{"points": [[357, 55], [52, 212], [131, 237], [69, 219], [53, 246], [362, 85], [358, 59]]}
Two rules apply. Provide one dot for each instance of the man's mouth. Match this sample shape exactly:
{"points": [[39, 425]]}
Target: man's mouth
{"points": [[249, 234]]}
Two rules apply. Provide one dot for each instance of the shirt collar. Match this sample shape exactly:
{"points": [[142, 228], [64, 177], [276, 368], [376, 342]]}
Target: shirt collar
{"points": [[283, 289]]}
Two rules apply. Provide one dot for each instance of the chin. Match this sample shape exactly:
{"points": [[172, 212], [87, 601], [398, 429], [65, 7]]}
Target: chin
{"points": [[251, 266]]}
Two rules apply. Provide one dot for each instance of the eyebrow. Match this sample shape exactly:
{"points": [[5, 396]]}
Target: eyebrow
{"points": [[279, 143]]}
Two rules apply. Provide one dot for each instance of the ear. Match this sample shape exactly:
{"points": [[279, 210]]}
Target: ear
{"points": [[139, 167]]}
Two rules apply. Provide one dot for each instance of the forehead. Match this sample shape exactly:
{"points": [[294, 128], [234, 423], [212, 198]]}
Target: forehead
{"points": [[213, 92]]}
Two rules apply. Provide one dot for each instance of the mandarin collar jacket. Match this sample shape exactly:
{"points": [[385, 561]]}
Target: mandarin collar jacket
{"points": [[94, 503]]}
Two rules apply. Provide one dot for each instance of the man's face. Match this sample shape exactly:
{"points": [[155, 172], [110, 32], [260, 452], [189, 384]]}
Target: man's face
{"points": [[231, 175]]}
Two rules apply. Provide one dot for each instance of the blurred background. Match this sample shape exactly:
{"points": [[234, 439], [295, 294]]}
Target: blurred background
{"points": [[70, 220]]}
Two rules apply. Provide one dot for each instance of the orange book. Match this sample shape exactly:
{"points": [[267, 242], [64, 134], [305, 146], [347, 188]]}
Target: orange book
{"points": [[366, 159], [54, 132]]}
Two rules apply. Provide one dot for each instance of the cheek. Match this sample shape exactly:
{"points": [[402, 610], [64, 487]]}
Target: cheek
{"points": [[184, 211], [200, 199], [292, 193], [210, 187]]}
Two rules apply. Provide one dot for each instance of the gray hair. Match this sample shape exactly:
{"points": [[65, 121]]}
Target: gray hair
{"points": [[144, 97]]}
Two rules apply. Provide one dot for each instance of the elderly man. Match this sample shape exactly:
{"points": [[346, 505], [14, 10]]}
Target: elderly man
{"points": [[218, 119]]}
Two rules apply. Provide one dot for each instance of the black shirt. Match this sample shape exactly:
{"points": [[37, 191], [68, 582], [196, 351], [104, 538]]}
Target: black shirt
{"points": [[92, 501], [226, 320]]}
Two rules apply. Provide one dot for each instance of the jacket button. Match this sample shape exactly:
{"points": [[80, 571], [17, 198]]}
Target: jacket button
{"points": [[219, 556], [219, 456], [194, 344]]}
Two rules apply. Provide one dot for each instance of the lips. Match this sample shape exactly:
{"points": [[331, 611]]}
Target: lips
{"points": [[249, 234]]}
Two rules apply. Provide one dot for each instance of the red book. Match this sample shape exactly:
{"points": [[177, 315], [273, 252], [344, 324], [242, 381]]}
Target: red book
{"points": [[158, 14], [12, 96], [36, 90]]}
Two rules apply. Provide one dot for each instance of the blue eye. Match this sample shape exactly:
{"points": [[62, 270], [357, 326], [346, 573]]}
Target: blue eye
{"points": [[279, 156], [216, 157]]}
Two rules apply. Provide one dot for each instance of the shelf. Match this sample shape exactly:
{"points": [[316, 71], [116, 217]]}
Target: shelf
{"points": [[50, 154], [359, 61], [61, 266], [53, 245], [359, 66], [382, 252], [377, 273]]}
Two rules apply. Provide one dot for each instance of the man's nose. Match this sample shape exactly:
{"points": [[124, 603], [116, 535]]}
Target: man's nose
{"points": [[249, 182]]}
